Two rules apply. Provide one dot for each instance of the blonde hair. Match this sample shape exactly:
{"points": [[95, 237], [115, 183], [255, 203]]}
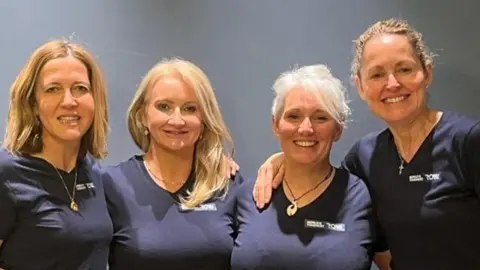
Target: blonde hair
{"points": [[210, 149], [318, 80], [391, 26], [24, 127]]}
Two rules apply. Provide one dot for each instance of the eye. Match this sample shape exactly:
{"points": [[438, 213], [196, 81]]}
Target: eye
{"points": [[163, 107], [292, 116], [81, 88], [320, 118], [52, 89], [405, 70], [190, 108], [376, 75]]}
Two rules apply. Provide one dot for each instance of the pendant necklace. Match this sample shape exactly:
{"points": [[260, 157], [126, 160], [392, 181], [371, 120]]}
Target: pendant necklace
{"points": [[402, 163], [293, 207], [73, 204]]}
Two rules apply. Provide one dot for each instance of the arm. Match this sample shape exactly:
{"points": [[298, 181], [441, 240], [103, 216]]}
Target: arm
{"points": [[269, 177], [352, 163], [382, 260], [471, 148], [7, 213], [232, 167]]}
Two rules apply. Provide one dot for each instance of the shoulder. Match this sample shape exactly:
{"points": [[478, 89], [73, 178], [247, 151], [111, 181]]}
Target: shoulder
{"points": [[10, 162], [356, 195], [119, 175], [459, 126], [354, 184]]}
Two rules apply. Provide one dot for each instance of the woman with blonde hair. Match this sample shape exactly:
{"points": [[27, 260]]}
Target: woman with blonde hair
{"points": [[53, 213], [173, 206], [423, 170]]}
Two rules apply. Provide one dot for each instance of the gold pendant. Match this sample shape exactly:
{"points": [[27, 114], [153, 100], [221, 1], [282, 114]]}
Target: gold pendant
{"points": [[74, 206], [292, 209]]}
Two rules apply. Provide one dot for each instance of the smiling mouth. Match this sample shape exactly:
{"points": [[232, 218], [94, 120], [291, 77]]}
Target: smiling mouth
{"points": [[305, 144], [394, 100], [171, 132], [69, 120]]}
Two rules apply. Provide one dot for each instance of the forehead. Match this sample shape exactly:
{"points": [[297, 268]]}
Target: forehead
{"points": [[388, 47], [173, 88], [300, 98], [64, 68]]}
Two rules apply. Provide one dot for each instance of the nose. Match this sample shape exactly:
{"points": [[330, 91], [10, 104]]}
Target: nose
{"points": [[177, 118], [392, 82], [69, 100], [305, 127]]}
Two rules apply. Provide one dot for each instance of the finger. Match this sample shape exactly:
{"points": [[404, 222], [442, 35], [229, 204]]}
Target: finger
{"points": [[267, 190], [278, 177], [259, 190]]}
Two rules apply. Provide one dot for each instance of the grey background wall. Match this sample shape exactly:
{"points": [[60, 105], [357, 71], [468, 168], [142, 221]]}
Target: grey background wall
{"points": [[243, 46]]}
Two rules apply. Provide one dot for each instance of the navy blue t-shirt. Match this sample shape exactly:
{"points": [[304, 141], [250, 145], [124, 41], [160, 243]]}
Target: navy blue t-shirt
{"points": [[430, 214], [39, 229], [152, 230], [332, 232]]}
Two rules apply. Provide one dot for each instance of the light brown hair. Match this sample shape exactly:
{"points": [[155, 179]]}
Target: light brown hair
{"points": [[391, 26], [24, 127]]}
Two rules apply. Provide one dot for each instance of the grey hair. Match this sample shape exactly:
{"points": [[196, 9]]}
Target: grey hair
{"points": [[318, 80]]}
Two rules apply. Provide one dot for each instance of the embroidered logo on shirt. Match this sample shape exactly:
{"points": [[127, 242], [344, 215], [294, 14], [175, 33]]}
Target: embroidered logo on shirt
{"points": [[203, 207], [315, 224], [424, 177], [84, 186]]}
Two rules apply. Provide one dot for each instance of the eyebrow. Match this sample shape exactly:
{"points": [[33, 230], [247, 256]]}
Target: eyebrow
{"points": [[298, 109], [171, 101]]}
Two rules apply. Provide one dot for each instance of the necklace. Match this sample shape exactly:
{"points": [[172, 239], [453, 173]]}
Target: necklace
{"points": [[73, 204], [159, 179], [293, 207], [402, 163]]}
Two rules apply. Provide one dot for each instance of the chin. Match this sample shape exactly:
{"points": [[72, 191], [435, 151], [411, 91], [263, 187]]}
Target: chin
{"points": [[304, 160], [393, 116]]}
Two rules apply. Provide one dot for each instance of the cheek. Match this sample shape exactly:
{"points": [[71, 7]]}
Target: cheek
{"points": [[155, 118], [88, 104], [286, 129], [194, 122], [327, 132], [373, 90]]}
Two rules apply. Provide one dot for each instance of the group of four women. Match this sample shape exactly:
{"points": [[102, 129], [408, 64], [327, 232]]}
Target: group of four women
{"points": [[405, 197]]}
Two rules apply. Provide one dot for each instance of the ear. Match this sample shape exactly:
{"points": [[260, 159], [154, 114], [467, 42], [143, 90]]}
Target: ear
{"points": [[338, 134], [361, 91], [428, 75], [275, 127]]}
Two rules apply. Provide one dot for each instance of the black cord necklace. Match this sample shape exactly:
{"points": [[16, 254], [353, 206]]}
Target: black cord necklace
{"points": [[293, 207]]}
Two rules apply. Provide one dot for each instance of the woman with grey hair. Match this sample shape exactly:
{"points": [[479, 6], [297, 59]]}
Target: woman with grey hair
{"points": [[321, 217]]}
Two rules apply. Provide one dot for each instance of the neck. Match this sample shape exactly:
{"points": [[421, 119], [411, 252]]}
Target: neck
{"points": [[60, 154], [170, 166], [409, 135], [303, 177]]}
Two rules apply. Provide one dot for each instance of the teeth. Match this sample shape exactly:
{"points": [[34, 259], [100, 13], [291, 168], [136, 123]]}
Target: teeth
{"points": [[305, 143], [69, 120], [176, 132], [395, 99]]}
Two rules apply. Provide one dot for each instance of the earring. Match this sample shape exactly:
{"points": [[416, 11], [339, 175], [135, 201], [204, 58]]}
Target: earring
{"points": [[35, 139], [145, 131]]}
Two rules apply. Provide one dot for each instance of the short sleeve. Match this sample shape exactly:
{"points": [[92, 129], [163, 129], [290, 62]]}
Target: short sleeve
{"points": [[352, 163], [380, 244], [472, 150], [7, 210]]}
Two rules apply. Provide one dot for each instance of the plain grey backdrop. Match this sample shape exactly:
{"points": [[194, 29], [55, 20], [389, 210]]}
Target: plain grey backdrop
{"points": [[242, 46]]}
